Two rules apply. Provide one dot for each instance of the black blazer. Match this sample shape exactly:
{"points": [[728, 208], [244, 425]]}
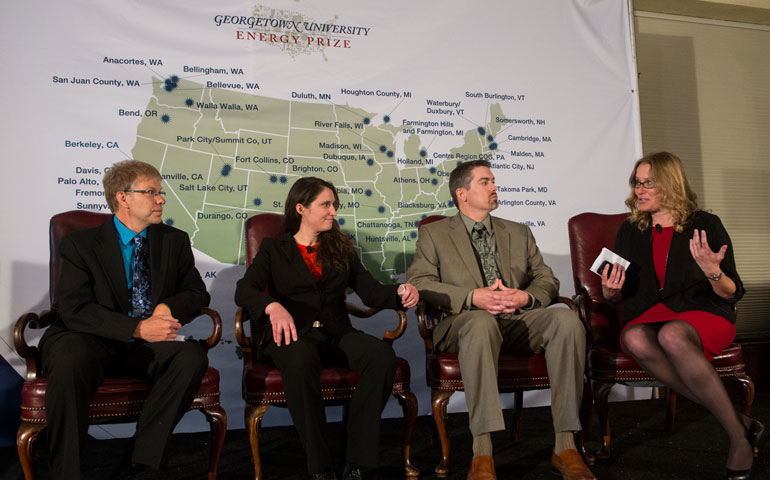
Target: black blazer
{"points": [[686, 286], [92, 295], [280, 268]]}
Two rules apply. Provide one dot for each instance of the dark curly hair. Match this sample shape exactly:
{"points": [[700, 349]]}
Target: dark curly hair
{"points": [[334, 247]]}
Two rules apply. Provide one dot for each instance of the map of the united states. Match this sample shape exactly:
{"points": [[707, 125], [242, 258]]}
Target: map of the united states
{"points": [[227, 155]]}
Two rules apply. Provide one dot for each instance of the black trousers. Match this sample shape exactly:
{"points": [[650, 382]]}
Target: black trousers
{"points": [[75, 364], [300, 363]]}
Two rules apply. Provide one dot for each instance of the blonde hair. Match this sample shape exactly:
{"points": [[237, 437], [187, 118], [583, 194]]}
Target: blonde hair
{"points": [[674, 191]]}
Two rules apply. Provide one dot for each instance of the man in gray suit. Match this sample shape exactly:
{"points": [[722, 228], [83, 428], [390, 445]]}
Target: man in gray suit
{"points": [[487, 277]]}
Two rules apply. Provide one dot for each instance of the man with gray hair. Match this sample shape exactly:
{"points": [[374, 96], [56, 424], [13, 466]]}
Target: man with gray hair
{"points": [[126, 287], [487, 278]]}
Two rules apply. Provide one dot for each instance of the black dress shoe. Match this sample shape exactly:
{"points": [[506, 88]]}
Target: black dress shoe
{"points": [[127, 471], [352, 472], [738, 474]]}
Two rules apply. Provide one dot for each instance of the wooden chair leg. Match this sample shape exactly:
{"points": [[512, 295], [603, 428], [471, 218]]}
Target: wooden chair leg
{"points": [[748, 397], [408, 403], [518, 408], [670, 410], [440, 401], [586, 418], [748, 392], [601, 393], [253, 418], [25, 440], [217, 419]]}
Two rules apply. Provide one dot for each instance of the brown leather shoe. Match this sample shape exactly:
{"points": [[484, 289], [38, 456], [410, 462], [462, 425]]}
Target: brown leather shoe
{"points": [[570, 465], [482, 468]]}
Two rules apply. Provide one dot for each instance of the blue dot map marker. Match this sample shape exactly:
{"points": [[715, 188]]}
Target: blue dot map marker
{"points": [[257, 202]]}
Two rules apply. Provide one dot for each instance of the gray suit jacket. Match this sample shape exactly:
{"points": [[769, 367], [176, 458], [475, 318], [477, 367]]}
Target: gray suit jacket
{"points": [[445, 269]]}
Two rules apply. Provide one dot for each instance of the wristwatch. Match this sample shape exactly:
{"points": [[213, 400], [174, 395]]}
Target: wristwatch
{"points": [[714, 277]]}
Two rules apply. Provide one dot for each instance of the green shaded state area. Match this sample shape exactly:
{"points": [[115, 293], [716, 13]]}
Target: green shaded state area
{"points": [[177, 130], [175, 214], [149, 151], [265, 193], [261, 152], [315, 116], [495, 111], [249, 113], [227, 187], [314, 144], [186, 174], [219, 232]]}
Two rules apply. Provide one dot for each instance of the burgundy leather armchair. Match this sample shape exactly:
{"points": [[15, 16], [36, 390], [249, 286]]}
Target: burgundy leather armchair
{"points": [[117, 400], [262, 385]]}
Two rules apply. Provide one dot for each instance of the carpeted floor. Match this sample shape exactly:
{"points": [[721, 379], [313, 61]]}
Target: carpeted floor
{"points": [[697, 449]]}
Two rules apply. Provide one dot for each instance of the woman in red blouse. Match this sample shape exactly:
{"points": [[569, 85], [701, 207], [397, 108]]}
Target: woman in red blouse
{"points": [[678, 296], [306, 272]]}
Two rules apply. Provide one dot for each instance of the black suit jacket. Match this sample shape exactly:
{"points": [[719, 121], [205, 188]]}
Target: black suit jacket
{"points": [[686, 286], [280, 268], [92, 295]]}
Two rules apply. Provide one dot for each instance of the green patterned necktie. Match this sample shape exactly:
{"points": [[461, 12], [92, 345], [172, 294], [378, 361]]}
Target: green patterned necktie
{"points": [[487, 257]]}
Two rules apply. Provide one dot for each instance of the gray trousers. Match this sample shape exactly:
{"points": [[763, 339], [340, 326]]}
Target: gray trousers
{"points": [[478, 337]]}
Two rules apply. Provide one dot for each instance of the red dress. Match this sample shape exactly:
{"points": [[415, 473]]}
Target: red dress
{"points": [[716, 333]]}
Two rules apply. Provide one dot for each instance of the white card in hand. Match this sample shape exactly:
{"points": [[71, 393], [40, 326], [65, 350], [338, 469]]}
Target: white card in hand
{"points": [[611, 257]]}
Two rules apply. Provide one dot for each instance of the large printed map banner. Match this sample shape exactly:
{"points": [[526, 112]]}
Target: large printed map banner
{"points": [[234, 100]]}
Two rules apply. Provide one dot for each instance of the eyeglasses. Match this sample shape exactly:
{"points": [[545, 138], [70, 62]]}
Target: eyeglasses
{"points": [[154, 194], [646, 184]]}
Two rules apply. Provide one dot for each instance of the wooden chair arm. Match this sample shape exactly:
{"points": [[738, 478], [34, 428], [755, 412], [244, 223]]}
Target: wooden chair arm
{"points": [[582, 299], [243, 339], [216, 334], [359, 312], [30, 353], [390, 335], [425, 325]]}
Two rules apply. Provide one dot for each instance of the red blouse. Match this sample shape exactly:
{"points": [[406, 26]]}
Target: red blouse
{"points": [[311, 259]]}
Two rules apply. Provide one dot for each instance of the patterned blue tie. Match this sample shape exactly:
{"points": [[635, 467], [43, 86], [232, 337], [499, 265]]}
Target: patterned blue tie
{"points": [[140, 292]]}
